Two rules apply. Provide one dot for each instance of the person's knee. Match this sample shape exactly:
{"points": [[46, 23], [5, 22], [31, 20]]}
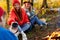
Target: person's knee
{"points": [[28, 24]]}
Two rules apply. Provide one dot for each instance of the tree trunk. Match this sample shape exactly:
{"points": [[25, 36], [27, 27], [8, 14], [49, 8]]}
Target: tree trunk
{"points": [[8, 8], [44, 4], [21, 2]]}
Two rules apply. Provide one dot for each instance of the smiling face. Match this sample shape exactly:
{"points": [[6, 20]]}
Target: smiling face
{"points": [[27, 5], [16, 6]]}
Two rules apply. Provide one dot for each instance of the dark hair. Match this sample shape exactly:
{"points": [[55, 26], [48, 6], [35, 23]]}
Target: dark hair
{"points": [[28, 2], [19, 13]]}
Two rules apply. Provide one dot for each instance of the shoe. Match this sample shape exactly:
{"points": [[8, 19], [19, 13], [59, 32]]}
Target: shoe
{"points": [[46, 23], [41, 25]]}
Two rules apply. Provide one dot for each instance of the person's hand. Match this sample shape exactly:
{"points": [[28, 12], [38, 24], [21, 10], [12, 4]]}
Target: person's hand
{"points": [[32, 16], [36, 13], [28, 22]]}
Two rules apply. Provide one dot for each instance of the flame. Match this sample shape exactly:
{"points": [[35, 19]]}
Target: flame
{"points": [[54, 34]]}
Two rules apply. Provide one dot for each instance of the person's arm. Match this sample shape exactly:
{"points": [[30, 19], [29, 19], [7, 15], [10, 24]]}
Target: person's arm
{"points": [[32, 14], [11, 18], [26, 18]]}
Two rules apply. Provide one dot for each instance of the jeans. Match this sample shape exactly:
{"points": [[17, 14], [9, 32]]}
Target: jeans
{"points": [[24, 27], [36, 20]]}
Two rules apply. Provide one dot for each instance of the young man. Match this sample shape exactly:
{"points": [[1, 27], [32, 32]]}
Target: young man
{"points": [[32, 17], [4, 33]]}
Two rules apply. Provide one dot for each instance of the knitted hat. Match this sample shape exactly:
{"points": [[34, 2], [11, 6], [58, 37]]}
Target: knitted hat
{"points": [[16, 1]]}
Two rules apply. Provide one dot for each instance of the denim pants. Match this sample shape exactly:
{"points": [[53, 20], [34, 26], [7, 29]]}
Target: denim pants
{"points": [[36, 20], [24, 27]]}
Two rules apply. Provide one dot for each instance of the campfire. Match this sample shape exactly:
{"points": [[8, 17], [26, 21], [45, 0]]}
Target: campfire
{"points": [[54, 36]]}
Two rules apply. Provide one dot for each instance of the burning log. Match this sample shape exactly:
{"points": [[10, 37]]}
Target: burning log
{"points": [[45, 38], [54, 36]]}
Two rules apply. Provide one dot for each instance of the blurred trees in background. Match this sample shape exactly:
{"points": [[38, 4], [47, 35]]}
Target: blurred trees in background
{"points": [[38, 5], [44, 4], [3, 4], [8, 5]]}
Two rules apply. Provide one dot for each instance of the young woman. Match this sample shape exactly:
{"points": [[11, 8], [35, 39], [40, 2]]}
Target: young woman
{"points": [[18, 15], [33, 18]]}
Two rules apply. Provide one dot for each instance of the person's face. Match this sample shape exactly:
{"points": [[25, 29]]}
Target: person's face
{"points": [[27, 5], [2, 22], [16, 6]]}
